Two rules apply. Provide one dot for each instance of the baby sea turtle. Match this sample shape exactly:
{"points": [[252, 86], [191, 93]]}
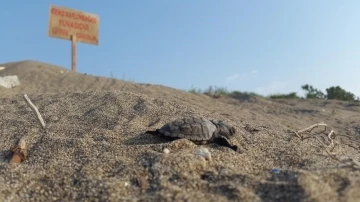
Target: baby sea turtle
{"points": [[199, 131]]}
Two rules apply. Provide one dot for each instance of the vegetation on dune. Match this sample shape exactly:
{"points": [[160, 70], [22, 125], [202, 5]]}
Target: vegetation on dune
{"points": [[212, 91], [332, 93], [195, 90], [312, 93], [113, 76], [340, 94], [216, 92], [243, 95], [291, 95]]}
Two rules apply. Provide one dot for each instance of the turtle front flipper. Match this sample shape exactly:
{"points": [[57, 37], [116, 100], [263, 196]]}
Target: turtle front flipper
{"points": [[153, 132], [223, 141]]}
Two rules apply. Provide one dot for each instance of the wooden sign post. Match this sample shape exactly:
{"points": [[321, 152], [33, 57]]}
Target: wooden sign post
{"points": [[77, 26], [73, 53]]}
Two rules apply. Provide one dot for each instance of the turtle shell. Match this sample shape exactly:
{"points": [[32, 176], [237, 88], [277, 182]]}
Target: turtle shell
{"points": [[191, 128]]}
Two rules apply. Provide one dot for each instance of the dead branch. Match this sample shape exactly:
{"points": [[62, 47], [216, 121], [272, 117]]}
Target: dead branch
{"points": [[332, 145], [344, 161], [35, 110], [332, 155], [309, 129], [331, 135]]}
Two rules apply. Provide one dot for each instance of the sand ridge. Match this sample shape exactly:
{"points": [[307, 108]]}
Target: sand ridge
{"points": [[94, 148]]}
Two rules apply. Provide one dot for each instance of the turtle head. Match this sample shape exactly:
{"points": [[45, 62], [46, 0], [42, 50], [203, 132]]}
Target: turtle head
{"points": [[224, 129]]}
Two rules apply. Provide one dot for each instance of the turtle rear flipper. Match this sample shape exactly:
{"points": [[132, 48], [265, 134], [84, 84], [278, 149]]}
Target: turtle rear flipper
{"points": [[222, 141]]}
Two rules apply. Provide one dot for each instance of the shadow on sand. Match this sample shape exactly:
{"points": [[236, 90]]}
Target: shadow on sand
{"points": [[146, 139]]}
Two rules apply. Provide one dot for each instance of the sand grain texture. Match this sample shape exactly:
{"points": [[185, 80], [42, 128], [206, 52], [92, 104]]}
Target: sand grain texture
{"points": [[94, 148]]}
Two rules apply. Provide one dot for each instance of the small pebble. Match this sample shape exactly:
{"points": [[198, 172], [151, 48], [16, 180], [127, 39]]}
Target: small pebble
{"points": [[204, 152], [166, 151], [275, 170], [22, 144]]}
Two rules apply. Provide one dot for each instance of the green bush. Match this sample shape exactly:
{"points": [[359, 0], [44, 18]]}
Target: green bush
{"points": [[216, 91], [194, 90], [312, 92], [339, 94], [243, 95], [291, 95]]}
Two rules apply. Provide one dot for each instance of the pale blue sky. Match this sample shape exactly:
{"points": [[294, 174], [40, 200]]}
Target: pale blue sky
{"points": [[261, 46]]}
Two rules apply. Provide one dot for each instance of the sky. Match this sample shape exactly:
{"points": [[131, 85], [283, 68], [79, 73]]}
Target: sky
{"points": [[265, 47]]}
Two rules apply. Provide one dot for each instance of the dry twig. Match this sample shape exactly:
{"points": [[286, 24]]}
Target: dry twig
{"points": [[309, 129], [344, 161], [35, 110], [332, 155], [331, 135]]}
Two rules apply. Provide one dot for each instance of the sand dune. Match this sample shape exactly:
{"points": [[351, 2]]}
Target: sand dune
{"points": [[94, 149]]}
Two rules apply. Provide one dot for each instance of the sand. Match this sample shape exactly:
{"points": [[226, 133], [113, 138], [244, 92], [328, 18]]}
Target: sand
{"points": [[94, 147]]}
